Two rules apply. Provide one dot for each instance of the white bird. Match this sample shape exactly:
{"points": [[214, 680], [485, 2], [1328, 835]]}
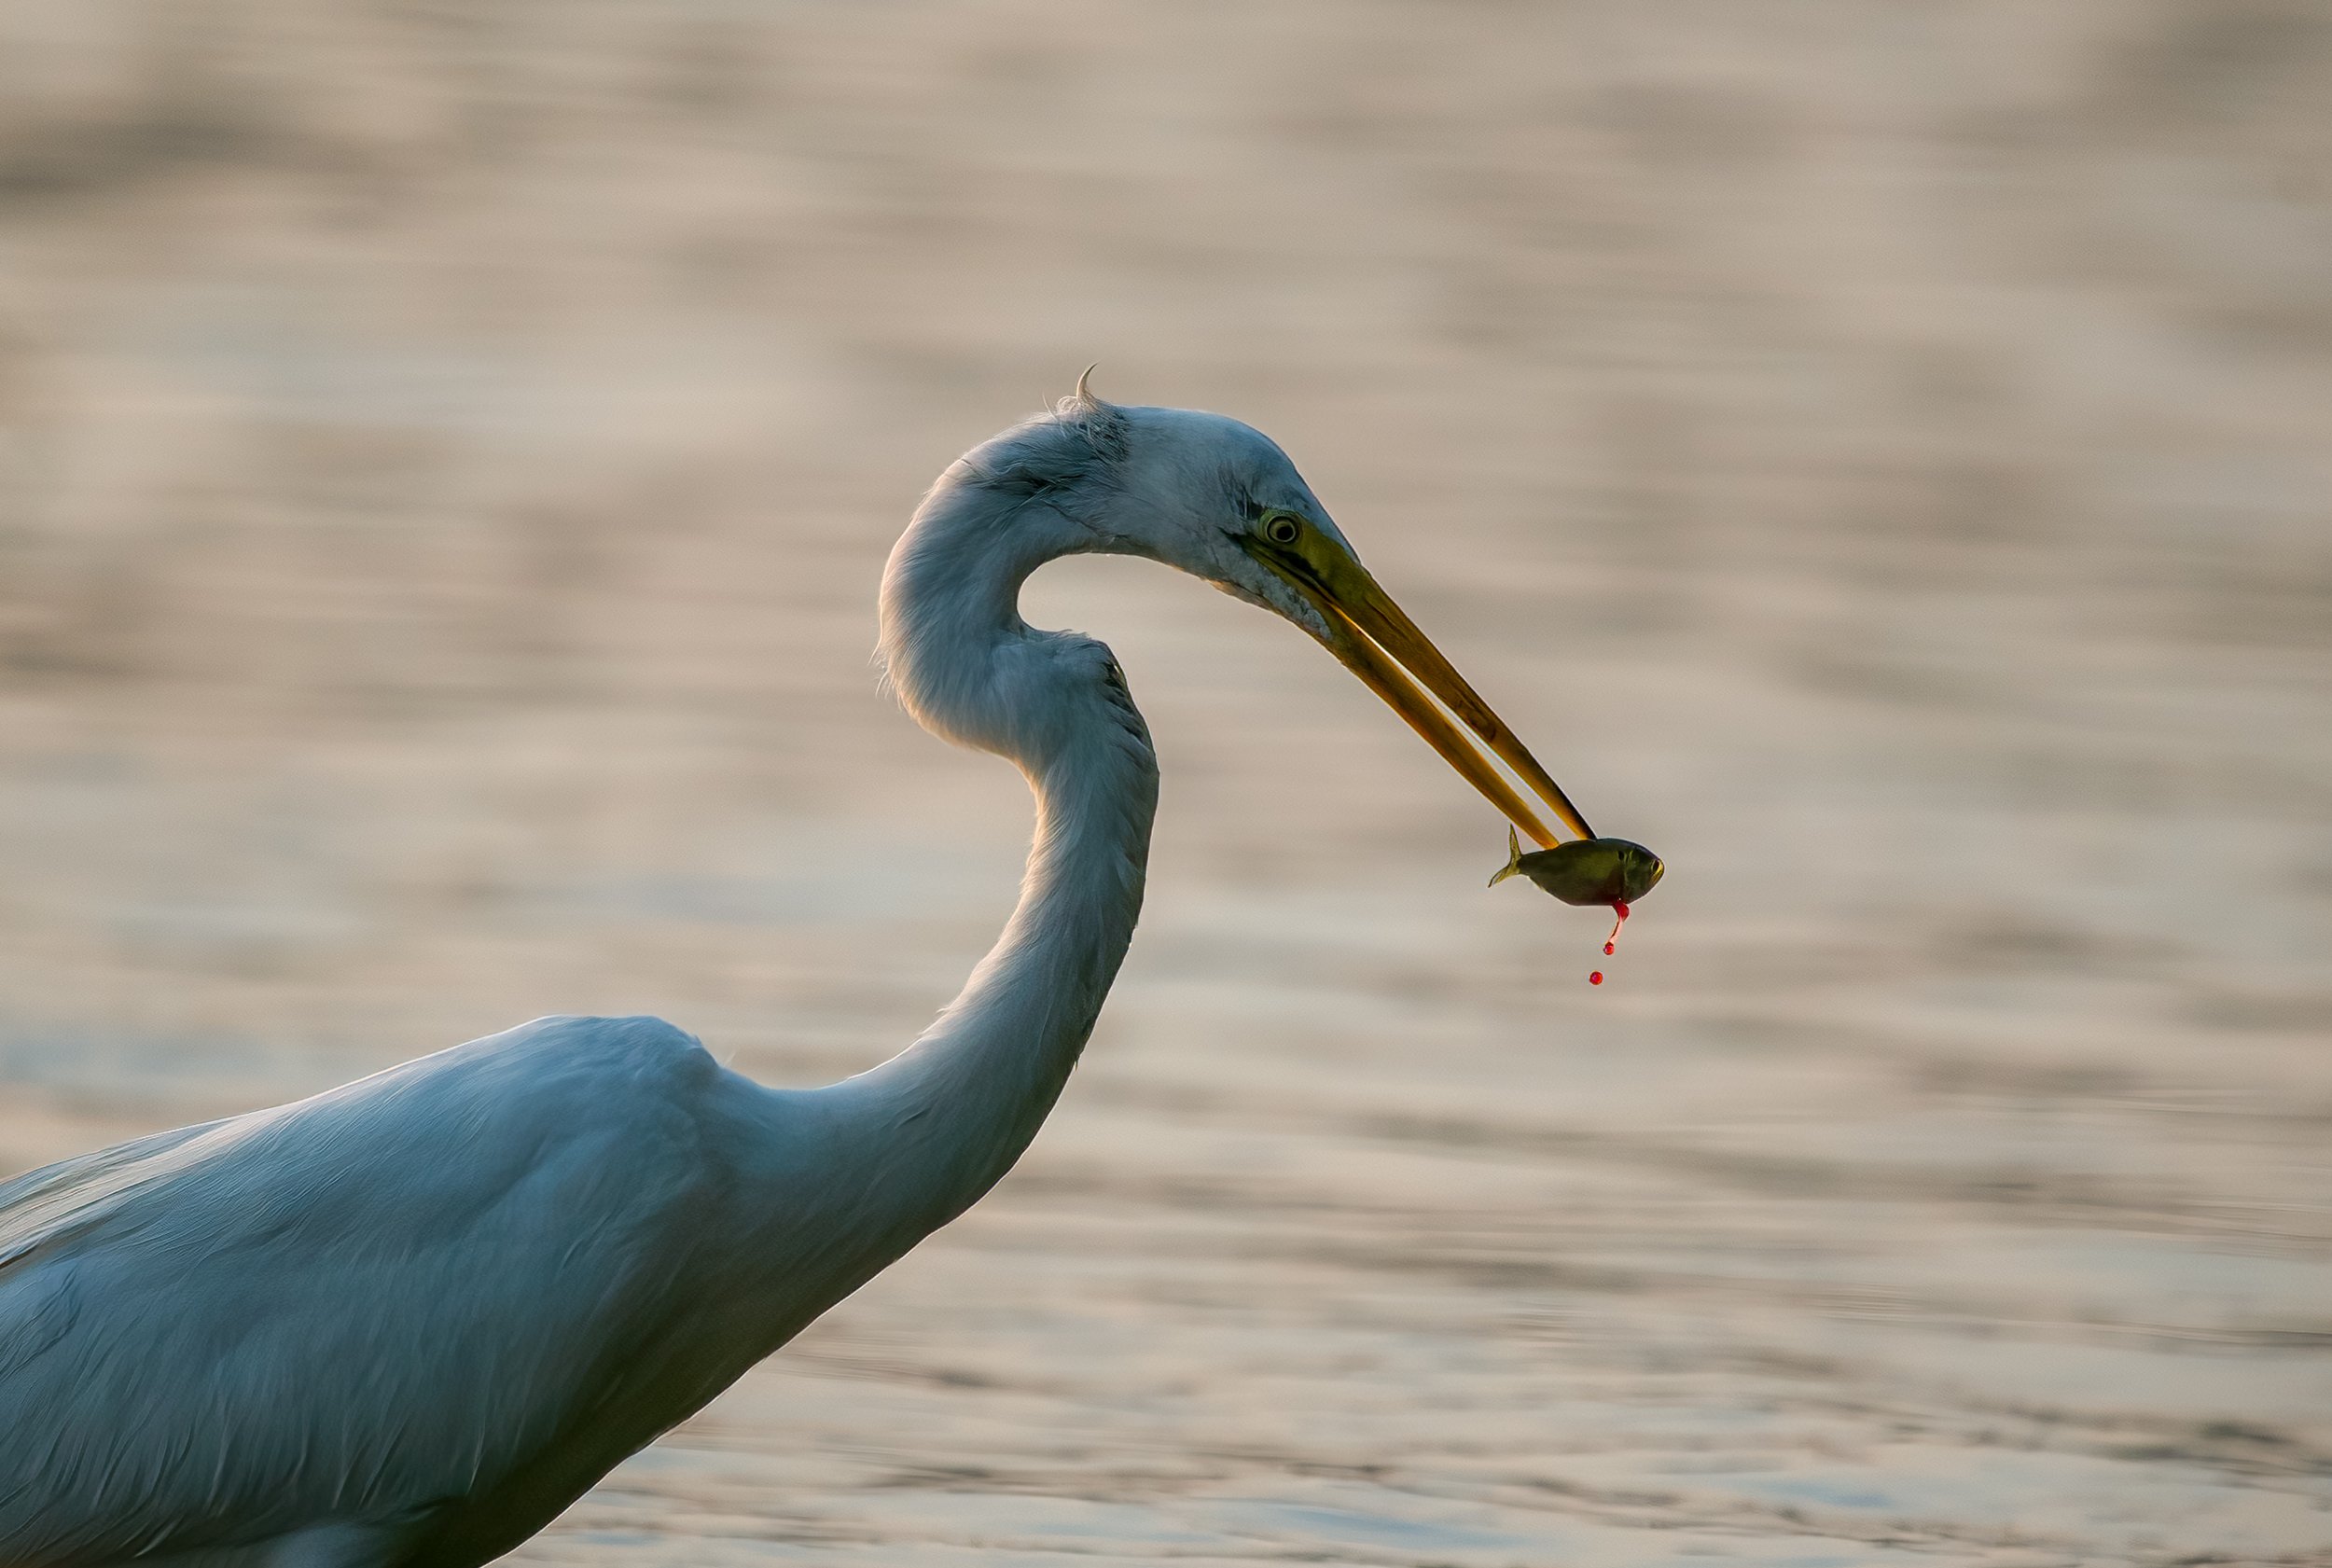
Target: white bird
{"points": [[409, 1321]]}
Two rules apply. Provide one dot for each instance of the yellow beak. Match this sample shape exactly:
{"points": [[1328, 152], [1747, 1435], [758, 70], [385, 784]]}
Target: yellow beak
{"points": [[1371, 637]]}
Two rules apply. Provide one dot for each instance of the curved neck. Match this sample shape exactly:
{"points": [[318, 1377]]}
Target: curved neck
{"points": [[952, 1114]]}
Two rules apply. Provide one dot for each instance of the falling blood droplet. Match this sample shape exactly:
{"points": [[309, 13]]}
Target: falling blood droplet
{"points": [[1611, 943]]}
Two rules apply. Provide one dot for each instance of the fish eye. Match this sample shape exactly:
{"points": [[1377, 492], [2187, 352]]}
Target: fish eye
{"points": [[1282, 528]]}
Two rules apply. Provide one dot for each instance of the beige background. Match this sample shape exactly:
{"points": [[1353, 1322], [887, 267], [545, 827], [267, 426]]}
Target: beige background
{"points": [[1879, 454]]}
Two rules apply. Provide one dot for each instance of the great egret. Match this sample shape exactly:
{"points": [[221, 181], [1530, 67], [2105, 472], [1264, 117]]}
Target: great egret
{"points": [[410, 1320]]}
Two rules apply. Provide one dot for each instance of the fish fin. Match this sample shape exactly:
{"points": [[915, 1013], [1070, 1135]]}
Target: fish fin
{"points": [[1514, 859]]}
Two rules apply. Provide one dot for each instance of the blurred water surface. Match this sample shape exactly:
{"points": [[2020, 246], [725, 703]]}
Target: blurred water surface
{"points": [[1882, 456]]}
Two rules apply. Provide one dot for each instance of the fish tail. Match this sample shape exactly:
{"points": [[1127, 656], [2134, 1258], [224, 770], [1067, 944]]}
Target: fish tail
{"points": [[1514, 859]]}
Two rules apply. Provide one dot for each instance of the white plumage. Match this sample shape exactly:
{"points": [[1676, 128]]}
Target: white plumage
{"points": [[409, 1321]]}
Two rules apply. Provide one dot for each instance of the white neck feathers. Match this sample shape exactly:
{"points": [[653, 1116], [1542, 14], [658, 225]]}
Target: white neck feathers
{"points": [[953, 1111]]}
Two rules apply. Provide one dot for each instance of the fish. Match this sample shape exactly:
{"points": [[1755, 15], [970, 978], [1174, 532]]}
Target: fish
{"points": [[1614, 872]]}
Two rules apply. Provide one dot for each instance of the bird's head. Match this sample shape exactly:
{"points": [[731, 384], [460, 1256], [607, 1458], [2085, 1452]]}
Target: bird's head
{"points": [[1220, 500]]}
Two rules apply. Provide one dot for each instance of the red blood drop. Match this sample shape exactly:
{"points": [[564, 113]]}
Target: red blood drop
{"points": [[1611, 941], [1610, 947], [1595, 978]]}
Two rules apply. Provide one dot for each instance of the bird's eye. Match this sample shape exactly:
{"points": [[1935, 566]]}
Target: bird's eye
{"points": [[1281, 528]]}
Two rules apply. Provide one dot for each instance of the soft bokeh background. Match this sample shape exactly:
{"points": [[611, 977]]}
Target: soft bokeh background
{"points": [[1881, 454]]}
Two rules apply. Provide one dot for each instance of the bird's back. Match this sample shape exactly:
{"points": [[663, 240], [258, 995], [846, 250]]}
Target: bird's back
{"points": [[411, 1300]]}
